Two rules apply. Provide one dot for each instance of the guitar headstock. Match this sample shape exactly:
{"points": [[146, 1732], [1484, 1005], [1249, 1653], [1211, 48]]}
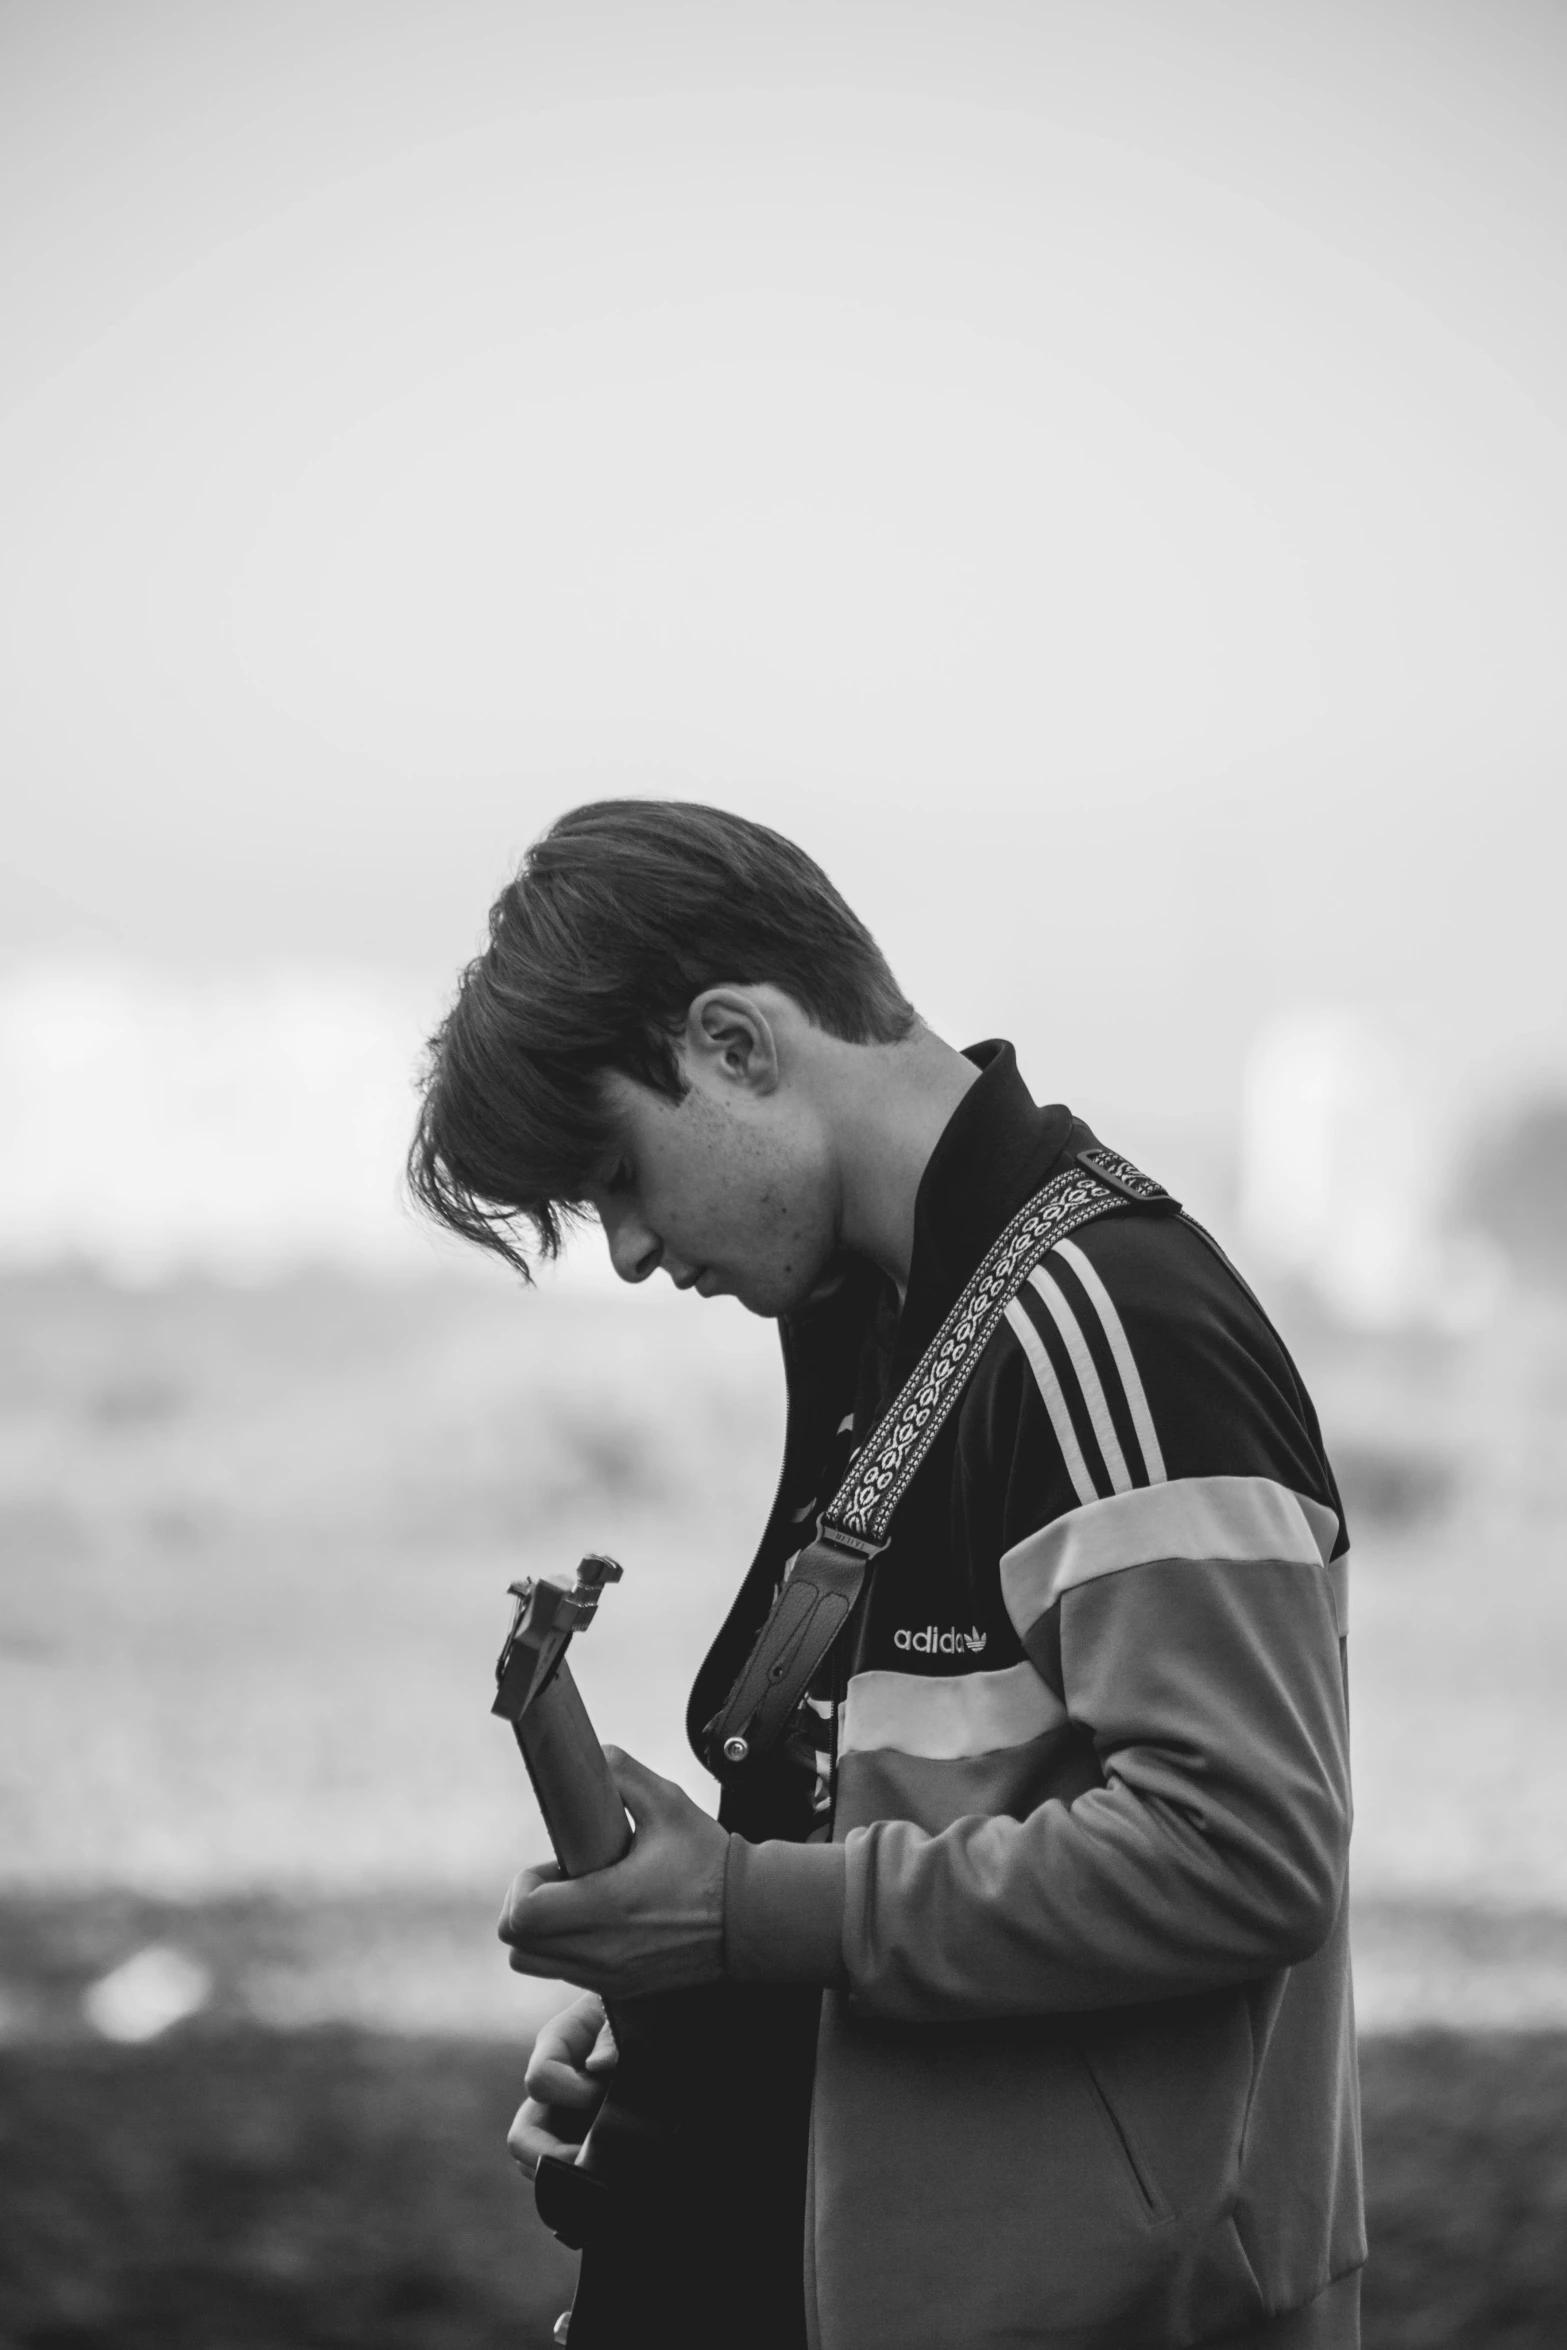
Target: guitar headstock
{"points": [[543, 1621]]}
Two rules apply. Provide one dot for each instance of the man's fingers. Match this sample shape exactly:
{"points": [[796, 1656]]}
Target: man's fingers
{"points": [[563, 2085], [543, 1914], [530, 2136], [653, 1921], [573, 2035], [572, 2054], [544, 1965], [525, 1882]]}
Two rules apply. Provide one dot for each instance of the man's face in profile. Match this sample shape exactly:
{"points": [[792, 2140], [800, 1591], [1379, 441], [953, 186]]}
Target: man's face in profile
{"points": [[729, 1190]]}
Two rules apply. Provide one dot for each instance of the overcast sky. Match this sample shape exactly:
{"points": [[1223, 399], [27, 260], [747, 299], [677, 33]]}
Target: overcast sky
{"points": [[1097, 473]]}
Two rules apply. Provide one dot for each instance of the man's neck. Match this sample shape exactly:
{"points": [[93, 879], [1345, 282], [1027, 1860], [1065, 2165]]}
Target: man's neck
{"points": [[889, 1106]]}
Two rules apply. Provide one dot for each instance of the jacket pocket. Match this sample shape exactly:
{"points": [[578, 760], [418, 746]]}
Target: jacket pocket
{"points": [[1140, 2177]]}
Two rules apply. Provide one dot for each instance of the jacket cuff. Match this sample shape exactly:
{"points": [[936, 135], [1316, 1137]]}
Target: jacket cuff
{"points": [[783, 1912]]}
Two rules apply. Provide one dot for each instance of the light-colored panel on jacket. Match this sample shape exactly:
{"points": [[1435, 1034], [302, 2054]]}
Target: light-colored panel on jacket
{"points": [[947, 1716], [932, 1791], [1324, 1525], [1237, 1520]]}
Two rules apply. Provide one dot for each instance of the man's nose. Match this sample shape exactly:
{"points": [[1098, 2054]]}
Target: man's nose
{"points": [[634, 1251]]}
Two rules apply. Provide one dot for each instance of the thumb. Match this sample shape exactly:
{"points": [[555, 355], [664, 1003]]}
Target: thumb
{"points": [[645, 1795], [519, 1889], [604, 2055]]}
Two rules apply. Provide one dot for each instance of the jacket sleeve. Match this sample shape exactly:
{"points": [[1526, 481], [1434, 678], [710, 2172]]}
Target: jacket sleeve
{"points": [[1216, 1848], [1187, 1626]]}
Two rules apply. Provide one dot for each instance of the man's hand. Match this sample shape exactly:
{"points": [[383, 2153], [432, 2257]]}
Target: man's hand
{"points": [[567, 2075], [652, 1922]]}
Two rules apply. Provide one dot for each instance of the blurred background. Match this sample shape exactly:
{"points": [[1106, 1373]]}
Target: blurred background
{"points": [[1094, 474]]}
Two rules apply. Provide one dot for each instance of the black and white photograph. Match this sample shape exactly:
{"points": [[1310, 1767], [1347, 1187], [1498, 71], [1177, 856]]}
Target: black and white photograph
{"points": [[783, 1174]]}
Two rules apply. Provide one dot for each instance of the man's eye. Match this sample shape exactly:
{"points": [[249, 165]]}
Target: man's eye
{"points": [[621, 1179]]}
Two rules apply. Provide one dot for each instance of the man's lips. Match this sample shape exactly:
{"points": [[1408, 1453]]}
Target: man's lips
{"points": [[704, 1281]]}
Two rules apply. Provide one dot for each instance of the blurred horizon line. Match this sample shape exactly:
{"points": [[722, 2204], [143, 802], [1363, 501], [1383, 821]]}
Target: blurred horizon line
{"points": [[253, 1128]]}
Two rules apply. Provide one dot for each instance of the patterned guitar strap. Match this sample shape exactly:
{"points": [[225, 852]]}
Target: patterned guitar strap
{"points": [[814, 1604]]}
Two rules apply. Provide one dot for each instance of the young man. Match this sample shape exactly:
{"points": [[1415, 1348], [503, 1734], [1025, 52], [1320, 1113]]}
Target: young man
{"points": [[1016, 1973]]}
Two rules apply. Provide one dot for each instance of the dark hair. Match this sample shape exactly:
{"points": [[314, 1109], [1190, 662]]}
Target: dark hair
{"points": [[620, 916]]}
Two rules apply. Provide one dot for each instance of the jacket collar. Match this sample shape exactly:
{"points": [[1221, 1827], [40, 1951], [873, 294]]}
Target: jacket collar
{"points": [[997, 1149]]}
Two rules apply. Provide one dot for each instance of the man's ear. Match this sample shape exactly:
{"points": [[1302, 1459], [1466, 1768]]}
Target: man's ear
{"points": [[729, 1034]]}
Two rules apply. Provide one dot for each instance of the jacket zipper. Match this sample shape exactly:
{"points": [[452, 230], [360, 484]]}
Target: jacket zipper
{"points": [[1152, 2201]]}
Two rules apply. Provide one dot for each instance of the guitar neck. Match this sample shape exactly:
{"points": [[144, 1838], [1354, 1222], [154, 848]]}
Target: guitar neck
{"points": [[581, 1804]]}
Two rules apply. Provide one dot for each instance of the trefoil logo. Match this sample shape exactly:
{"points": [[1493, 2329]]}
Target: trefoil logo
{"points": [[928, 1641]]}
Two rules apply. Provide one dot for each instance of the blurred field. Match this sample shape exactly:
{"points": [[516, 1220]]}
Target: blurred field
{"points": [[254, 1548], [333, 2189], [253, 1554]]}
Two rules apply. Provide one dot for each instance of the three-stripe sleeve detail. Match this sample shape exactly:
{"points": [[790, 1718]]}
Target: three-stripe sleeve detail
{"points": [[1054, 1401], [1087, 1377], [1076, 1346], [1115, 1335]]}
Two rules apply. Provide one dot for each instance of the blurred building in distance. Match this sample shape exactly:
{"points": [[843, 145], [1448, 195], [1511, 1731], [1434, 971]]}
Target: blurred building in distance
{"points": [[1344, 1183], [1515, 1188]]}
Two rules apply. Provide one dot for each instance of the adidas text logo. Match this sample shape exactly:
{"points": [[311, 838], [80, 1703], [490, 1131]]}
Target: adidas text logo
{"points": [[929, 1642]]}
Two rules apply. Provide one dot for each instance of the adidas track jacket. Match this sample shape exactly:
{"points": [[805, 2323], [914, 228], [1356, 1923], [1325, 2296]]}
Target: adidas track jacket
{"points": [[1063, 1836]]}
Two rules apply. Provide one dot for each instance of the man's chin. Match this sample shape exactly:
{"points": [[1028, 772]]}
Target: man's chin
{"points": [[755, 1300], [775, 1301]]}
